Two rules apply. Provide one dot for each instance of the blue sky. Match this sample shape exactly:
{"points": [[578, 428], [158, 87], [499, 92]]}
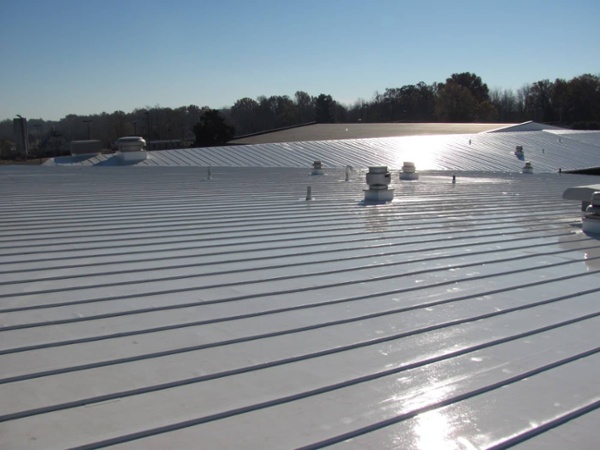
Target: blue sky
{"points": [[89, 56]]}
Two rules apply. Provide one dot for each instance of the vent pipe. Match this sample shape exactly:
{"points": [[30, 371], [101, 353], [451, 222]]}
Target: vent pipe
{"points": [[308, 193], [409, 172], [378, 179], [591, 220]]}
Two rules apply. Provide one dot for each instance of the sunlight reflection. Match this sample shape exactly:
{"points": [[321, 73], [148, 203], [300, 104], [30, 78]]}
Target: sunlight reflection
{"points": [[423, 151], [433, 431]]}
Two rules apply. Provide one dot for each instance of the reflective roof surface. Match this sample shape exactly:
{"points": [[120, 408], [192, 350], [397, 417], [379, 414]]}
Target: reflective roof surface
{"points": [[548, 150], [152, 307]]}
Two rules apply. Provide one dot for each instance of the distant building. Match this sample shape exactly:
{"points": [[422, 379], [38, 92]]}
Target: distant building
{"points": [[166, 144], [86, 147]]}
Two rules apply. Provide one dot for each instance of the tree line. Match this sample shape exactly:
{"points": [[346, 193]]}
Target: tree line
{"points": [[463, 97]]}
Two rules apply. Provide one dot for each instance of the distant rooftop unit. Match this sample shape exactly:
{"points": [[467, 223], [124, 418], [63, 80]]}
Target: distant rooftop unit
{"points": [[131, 148], [130, 144], [167, 144]]}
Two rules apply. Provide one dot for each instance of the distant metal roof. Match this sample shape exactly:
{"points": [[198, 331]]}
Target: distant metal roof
{"points": [[339, 131], [525, 126], [548, 151], [150, 307]]}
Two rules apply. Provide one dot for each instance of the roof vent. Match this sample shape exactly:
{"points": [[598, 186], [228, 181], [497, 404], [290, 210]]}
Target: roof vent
{"points": [[378, 179], [131, 148], [527, 168], [519, 150], [317, 168], [409, 172], [591, 220]]}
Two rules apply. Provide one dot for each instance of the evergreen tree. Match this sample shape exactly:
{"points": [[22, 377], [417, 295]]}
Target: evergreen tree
{"points": [[212, 130], [324, 106]]}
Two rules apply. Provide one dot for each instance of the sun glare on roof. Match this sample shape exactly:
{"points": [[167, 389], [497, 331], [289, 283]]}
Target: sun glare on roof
{"points": [[422, 152], [433, 431]]}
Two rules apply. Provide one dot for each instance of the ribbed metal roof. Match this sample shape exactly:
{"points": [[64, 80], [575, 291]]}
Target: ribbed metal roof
{"points": [[150, 307], [335, 131], [548, 151]]}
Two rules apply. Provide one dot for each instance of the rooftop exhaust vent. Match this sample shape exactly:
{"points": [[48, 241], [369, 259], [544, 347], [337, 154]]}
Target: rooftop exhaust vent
{"points": [[591, 220], [378, 179], [528, 167], [519, 150], [409, 172], [131, 148], [317, 168]]}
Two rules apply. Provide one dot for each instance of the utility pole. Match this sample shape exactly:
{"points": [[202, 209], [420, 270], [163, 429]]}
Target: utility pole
{"points": [[88, 128], [147, 124]]}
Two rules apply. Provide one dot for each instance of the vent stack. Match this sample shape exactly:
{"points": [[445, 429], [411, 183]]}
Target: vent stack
{"points": [[528, 167], [378, 179], [317, 168], [409, 172], [591, 219]]}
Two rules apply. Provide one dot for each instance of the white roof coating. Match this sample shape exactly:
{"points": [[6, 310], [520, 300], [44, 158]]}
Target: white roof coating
{"points": [[548, 151], [151, 307]]}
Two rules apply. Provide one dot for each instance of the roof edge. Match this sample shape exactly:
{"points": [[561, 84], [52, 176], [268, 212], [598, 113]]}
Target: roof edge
{"points": [[525, 126]]}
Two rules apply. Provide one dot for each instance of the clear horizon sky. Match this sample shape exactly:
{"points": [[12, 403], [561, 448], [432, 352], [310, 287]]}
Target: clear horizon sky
{"points": [[92, 56]]}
